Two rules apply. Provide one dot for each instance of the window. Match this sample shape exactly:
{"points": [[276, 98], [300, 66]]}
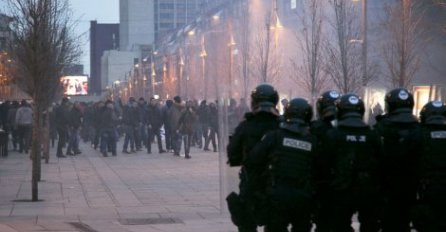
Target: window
{"points": [[2, 44], [166, 15], [293, 4], [181, 6], [166, 25], [166, 6]]}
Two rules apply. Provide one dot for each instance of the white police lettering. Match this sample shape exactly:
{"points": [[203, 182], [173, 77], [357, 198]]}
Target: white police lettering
{"points": [[351, 138], [294, 143], [438, 134], [356, 138], [362, 138]]}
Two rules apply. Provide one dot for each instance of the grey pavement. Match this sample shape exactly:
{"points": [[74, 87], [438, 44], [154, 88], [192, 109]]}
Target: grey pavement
{"points": [[137, 192], [131, 192]]}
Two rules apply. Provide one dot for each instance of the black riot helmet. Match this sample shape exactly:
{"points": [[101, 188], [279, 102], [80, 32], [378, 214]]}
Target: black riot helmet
{"points": [[326, 105], [433, 109], [298, 108], [264, 98], [399, 98], [350, 105]]}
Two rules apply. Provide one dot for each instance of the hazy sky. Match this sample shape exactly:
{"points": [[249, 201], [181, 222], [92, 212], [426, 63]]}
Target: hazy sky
{"points": [[104, 11]]}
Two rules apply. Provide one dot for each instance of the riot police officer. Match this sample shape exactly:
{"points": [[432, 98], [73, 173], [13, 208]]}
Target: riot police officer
{"points": [[353, 150], [397, 129], [326, 116], [430, 214], [263, 118], [326, 112], [286, 155]]}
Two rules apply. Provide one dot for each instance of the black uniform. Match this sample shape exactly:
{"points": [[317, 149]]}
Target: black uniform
{"points": [[326, 111], [287, 154], [398, 130], [353, 150], [430, 212], [246, 135], [264, 117]]}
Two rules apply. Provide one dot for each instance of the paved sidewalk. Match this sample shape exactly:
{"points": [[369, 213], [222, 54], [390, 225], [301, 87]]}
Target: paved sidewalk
{"points": [[131, 192]]}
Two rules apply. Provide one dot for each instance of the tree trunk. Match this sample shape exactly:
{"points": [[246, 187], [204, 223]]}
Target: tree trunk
{"points": [[35, 151], [46, 137]]}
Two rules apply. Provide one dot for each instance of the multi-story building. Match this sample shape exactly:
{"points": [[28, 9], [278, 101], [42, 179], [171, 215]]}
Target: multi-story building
{"points": [[103, 37], [136, 24], [5, 32], [172, 14]]}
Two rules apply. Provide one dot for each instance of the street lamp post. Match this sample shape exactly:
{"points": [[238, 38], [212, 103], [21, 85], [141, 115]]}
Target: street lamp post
{"points": [[144, 88], [116, 90], [364, 28], [231, 46], [364, 41], [203, 55], [180, 79]]}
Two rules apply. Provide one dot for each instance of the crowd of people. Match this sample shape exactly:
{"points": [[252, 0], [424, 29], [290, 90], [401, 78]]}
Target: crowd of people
{"points": [[298, 172], [172, 124]]}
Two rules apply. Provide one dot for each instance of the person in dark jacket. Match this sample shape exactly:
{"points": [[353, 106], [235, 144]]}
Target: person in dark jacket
{"points": [[62, 123], [140, 131], [166, 122], [326, 118], [285, 158], [263, 118], [4, 108], [155, 122], [107, 128], [353, 151], [186, 127], [96, 122], [399, 162], [130, 120], [429, 215], [202, 123], [75, 122], [174, 115], [212, 127], [11, 124], [233, 117]]}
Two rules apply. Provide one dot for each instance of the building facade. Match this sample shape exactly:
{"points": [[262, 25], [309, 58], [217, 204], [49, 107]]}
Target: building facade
{"points": [[172, 14], [136, 24], [5, 31], [103, 37]]}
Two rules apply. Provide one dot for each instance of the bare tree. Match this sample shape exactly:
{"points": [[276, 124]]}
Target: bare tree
{"points": [[307, 68], [266, 56], [42, 48], [441, 4], [402, 50], [343, 53], [245, 46]]}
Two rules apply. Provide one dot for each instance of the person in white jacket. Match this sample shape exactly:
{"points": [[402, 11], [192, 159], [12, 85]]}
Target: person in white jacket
{"points": [[24, 121]]}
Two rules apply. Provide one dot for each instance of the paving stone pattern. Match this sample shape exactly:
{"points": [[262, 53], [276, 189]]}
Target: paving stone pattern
{"points": [[130, 192]]}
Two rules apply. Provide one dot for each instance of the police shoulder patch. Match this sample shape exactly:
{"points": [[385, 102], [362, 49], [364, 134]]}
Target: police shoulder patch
{"points": [[298, 144], [438, 134]]}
